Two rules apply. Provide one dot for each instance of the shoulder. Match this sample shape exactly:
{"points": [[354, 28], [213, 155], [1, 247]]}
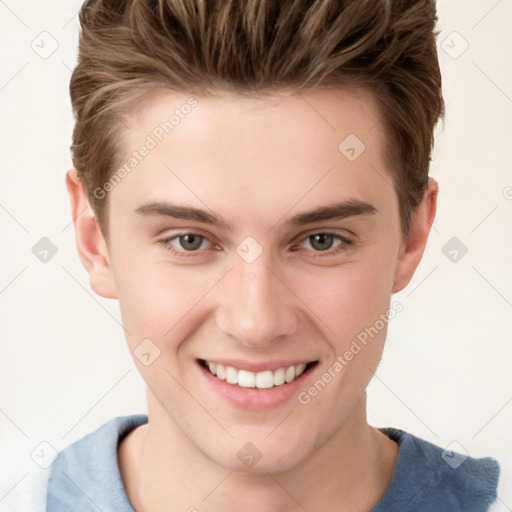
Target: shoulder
{"points": [[430, 478], [85, 475]]}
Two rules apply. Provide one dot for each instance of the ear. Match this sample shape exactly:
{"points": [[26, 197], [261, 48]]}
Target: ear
{"points": [[91, 245], [412, 249]]}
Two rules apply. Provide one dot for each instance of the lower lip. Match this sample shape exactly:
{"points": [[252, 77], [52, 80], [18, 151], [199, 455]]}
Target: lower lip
{"points": [[253, 398]]}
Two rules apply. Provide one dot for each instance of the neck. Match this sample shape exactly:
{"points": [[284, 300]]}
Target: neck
{"points": [[163, 471]]}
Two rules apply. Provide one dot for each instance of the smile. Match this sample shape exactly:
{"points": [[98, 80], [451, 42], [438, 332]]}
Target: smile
{"points": [[261, 380]]}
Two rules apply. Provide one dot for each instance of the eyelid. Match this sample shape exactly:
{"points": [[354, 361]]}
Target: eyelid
{"points": [[345, 233], [342, 232], [177, 232]]}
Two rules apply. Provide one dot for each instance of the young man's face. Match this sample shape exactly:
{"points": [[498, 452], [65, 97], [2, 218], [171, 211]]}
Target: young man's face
{"points": [[252, 282]]}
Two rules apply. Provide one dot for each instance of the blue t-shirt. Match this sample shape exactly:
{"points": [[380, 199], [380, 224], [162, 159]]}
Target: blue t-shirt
{"points": [[85, 476]]}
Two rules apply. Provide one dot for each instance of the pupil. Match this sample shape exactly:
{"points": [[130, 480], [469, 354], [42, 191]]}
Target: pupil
{"points": [[190, 242], [322, 241]]}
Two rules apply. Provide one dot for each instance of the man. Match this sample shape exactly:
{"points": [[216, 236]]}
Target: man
{"points": [[251, 183]]}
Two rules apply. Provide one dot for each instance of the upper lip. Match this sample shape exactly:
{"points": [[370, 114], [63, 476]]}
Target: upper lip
{"points": [[261, 366]]}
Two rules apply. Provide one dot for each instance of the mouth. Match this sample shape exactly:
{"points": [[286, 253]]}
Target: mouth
{"points": [[262, 380]]}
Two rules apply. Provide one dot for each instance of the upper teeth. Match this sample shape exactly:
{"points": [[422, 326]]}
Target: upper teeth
{"points": [[262, 380]]}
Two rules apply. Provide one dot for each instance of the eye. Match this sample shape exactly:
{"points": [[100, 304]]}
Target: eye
{"points": [[322, 242], [182, 243], [190, 241], [190, 244]]}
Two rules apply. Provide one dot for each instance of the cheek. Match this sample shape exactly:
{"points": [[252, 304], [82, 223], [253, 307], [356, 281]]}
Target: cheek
{"points": [[157, 300], [353, 308], [348, 298]]}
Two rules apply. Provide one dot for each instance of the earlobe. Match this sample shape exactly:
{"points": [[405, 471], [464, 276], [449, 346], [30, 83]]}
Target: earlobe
{"points": [[91, 245], [413, 248]]}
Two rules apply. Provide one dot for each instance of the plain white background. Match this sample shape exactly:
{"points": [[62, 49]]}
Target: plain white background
{"points": [[64, 366]]}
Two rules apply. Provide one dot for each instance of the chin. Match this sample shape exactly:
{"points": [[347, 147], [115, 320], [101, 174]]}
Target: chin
{"points": [[251, 460]]}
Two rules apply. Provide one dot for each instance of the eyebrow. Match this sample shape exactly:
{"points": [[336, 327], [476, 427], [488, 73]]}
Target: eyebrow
{"points": [[337, 211]]}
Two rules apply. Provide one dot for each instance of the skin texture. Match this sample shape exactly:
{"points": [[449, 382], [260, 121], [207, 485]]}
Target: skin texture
{"points": [[256, 162]]}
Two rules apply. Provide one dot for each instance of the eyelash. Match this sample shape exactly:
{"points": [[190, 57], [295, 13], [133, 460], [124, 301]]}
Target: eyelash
{"points": [[345, 245]]}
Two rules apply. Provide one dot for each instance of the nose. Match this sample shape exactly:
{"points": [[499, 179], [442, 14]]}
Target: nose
{"points": [[256, 306]]}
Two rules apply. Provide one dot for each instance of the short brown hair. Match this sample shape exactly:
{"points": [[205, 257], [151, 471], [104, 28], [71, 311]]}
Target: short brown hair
{"points": [[128, 48]]}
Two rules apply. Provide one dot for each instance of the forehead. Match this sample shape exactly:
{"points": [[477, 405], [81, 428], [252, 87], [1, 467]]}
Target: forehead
{"points": [[331, 113], [278, 149]]}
